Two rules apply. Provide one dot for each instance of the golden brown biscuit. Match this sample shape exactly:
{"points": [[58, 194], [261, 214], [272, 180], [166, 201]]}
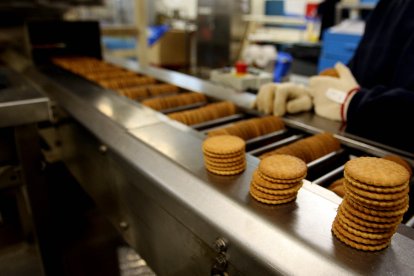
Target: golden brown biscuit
{"points": [[284, 167], [224, 144], [376, 172]]}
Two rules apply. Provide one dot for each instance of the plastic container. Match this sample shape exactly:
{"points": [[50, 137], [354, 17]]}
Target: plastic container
{"points": [[282, 66]]}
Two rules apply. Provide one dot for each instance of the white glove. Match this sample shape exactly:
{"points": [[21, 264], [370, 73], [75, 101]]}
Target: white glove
{"points": [[281, 98], [293, 98], [265, 97], [330, 93]]}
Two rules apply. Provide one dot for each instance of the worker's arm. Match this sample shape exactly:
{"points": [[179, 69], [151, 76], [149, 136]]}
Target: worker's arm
{"points": [[383, 115]]}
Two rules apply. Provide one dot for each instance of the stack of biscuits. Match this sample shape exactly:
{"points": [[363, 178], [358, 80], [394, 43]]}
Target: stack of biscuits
{"points": [[205, 113], [374, 204], [278, 179], [338, 185], [251, 128], [224, 155], [309, 149], [167, 102]]}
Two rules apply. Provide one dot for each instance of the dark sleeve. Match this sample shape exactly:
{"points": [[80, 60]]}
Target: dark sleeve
{"points": [[383, 115]]}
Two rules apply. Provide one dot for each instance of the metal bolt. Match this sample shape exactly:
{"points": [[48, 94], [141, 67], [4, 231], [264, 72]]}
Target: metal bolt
{"points": [[221, 260], [123, 225], [103, 148], [220, 245]]}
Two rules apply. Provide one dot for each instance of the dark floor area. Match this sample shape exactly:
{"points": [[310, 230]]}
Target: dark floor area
{"points": [[80, 241]]}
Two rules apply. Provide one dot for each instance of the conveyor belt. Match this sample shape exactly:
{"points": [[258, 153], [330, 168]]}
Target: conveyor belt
{"points": [[156, 166]]}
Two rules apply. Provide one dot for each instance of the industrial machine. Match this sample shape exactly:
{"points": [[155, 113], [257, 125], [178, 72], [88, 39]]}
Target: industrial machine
{"points": [[146, 173]]}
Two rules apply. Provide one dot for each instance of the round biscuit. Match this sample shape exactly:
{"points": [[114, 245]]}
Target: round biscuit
{"points": [[283, 167], [223, 144], [376, 171]]}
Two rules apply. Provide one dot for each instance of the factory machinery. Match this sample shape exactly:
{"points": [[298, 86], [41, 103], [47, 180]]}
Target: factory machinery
{"points": [[146, 173]]}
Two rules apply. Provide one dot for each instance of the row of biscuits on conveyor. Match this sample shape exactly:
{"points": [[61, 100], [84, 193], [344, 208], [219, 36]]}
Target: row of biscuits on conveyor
{"points": [[159, 96], [251, 128], [124, 82]]}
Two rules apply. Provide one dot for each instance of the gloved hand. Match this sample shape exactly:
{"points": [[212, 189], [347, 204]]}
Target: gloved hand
{"points": [[331, 94], [265, 97], [277, 99]]}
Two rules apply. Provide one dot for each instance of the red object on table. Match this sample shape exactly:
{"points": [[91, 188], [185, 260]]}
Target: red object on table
{"points": [[311, 10], [241, 68]]}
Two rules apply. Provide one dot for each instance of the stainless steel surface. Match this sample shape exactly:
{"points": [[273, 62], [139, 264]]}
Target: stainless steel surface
{"points": [[152, 177], [20, 103]]}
